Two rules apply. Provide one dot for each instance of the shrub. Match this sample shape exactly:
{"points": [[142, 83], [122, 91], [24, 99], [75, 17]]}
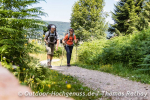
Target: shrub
{"points": [[58, 53], [126, 49], [18, 23]]}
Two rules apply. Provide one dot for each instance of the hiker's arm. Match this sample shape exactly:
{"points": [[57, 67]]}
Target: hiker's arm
{"points": [[63, 40], [45, 41], [57, 44], [45, 38], [76, 40]]}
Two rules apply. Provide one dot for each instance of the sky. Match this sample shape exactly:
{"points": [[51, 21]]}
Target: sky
{"points": [[60, 10]]}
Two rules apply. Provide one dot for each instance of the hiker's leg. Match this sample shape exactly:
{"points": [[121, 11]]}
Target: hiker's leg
{"points": [[68, 54], [71, 48], [48, 55], [51, 57], [51, 53], [48, 60]]}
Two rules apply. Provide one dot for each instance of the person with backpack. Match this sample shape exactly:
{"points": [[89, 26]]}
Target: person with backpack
{"points": [[68, 41], [51, 39]]}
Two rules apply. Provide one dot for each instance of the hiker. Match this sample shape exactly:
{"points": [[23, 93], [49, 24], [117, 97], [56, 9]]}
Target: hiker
{"points": [[51, 39], [68, 41]]}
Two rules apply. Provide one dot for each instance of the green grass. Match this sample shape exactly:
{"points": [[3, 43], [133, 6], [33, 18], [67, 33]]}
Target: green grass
{"points": [[120, 70], [63, 59], [57, 82], [45, 80]]}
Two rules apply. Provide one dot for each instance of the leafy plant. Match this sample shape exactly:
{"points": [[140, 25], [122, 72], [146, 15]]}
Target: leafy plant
{"points": [[58, 53], [126, 49], [18, 24]]}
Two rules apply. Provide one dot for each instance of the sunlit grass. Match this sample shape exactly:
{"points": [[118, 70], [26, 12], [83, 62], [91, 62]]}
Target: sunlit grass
{"points": [[62, 59], [57, 82], [120, 70]]}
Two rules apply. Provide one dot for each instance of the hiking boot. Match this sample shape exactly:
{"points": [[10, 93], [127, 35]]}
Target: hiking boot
{"points": [[49, 66], [68, 65]]}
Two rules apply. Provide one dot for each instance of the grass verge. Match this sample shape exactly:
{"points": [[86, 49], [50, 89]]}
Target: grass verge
{"points": [[120, 70], [58, 84]]}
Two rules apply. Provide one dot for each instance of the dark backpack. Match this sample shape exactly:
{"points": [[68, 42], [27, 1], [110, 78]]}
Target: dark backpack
{"points": [[52, 38]]}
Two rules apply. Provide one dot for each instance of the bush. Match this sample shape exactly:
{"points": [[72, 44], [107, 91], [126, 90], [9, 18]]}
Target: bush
{"points": [[58, 53], [128, 49], [18, 24]]}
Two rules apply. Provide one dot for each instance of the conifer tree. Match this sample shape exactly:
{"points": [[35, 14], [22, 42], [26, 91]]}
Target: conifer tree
{"points": [[146, 12], [126, 16], [142, 22]]}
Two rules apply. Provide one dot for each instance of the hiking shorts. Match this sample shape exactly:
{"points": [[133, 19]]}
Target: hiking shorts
{"points": [[50, 49]]}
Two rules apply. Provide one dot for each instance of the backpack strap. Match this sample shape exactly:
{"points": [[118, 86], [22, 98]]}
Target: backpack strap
{"points": [[69, 36], [48, 35], [56, 37]]}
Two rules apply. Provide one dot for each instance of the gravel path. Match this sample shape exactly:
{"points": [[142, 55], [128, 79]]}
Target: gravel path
{"points": [[109, 85]]}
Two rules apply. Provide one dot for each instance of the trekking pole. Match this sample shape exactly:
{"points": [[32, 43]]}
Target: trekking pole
{"points": [[62, 51], [76, 56], [61, 57]]}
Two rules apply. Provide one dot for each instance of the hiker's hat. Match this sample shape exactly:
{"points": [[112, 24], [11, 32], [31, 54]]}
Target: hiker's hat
{"points": [[53, 26]]}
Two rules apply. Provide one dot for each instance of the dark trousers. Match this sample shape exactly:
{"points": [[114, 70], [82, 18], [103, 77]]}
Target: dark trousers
{"points": [[69, 52]]}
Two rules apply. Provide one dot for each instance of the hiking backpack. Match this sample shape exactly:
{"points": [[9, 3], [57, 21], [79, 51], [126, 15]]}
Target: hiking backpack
{"points": [[51, 39], [69, 36]]}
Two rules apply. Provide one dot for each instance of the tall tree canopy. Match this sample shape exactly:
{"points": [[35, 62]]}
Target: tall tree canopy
{"points": [[126, 16], [146, 12], [88, 19]]}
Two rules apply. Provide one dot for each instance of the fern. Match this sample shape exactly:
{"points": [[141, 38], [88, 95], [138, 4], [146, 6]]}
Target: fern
{"points": [[17, 22]]}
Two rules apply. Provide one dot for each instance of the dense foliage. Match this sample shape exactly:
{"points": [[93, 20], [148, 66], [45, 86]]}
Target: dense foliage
{"points": [[146, 11], [18, 21], [129, 17], [132, 50], [88, 19]]}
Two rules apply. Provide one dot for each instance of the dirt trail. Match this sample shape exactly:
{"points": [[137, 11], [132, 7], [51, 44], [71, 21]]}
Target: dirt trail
{"points": [[110, 85]]}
